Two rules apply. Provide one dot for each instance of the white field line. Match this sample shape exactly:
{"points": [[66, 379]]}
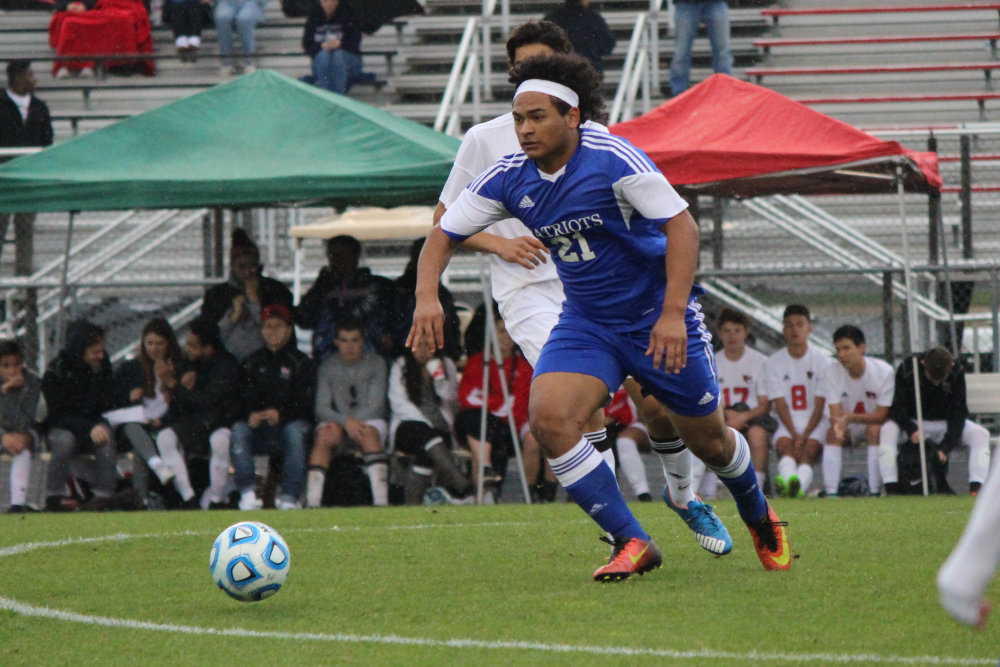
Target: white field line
{"points": [[12, 605]]}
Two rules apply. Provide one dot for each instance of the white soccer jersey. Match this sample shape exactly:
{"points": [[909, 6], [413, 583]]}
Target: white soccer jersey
{"points": [[797, 381], [872, 390], [482, 146], [740, 381]]}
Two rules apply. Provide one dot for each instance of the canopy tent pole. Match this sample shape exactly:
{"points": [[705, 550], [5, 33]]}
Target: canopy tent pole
{"points": [[491, 345], [911, 316], [63, 286]]}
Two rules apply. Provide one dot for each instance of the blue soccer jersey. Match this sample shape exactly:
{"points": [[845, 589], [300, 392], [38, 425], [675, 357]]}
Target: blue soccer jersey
{"points": [[601, 216]]}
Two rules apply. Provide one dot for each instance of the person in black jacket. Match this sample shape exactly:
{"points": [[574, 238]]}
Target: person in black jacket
{"points": [[78, 388], [236, 304], [277, 411], [204, 402], [588, 31], [332, 40], [24, 121], [945, 414]]}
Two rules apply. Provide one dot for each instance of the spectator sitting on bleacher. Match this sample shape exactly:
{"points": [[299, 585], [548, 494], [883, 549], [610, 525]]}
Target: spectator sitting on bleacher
{"points": [[587, 30], [236, 304], [350, 413], [204, 403], [423, 397], [185, 23], [85, 28], [344, 290], [245, 15], [20, 391], [277, 411], [78, 388], [332, 40], [139, 382]]}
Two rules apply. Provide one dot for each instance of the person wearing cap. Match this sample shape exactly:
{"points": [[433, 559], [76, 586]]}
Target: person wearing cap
{"points": [[945, 415], [277, 411], [605, 212], [236, 304]]}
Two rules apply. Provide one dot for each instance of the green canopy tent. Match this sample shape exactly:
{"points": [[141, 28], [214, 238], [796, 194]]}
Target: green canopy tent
{"points": [[260, 140]]}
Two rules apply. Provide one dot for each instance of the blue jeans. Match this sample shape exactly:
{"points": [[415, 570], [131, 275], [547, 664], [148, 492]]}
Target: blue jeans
{"points": [[245, 16], [289, 440], [335, 70], [687, 16]]}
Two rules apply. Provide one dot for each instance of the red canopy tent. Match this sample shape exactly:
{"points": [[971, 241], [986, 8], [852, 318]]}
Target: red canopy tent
{"points": [[732, 138]]}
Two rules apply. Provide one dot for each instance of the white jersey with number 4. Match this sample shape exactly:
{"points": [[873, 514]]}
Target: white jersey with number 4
{"points": [[798, 381], [861, 395], [740, 380]]}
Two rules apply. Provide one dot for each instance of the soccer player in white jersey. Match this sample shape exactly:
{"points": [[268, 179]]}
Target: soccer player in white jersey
{"points": [[859, 392], [606, 212], [791, 377], [530, 295], [740, 369]]}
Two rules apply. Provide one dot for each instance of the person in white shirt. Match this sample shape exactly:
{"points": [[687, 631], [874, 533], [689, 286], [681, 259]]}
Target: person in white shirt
{"points": [[741, 371], [792, 377], [859, 392], [530, 294]]}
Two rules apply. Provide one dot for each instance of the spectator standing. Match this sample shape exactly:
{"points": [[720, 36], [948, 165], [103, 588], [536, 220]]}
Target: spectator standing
{"points": [[24, 121], [139, 381], [185, 23], [423, 398], [350, 413], [78, 388], [277, 411], [332, 40], [859, 391], [236, 305], [744, 399], [244, 16], [343, 290], [588, 31], [945, 413], [204, 403], [405, 285], [792, 378], [688, 15], [20, 393]]}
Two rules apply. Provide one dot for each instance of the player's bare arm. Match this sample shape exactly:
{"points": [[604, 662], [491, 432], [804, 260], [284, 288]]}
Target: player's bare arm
{"points": [[668, 338], [526, 251], [428, 316], [785, 415]]}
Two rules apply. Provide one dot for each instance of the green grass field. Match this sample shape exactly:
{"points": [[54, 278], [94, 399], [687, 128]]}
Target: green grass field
{"points": [[486, 585]]}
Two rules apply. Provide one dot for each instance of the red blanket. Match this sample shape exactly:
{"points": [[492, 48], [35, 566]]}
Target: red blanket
{"points": [[111, 27]]}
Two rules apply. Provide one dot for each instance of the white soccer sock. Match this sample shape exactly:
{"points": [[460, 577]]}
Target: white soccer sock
{"points": [[20, 473], [786, 466], [874, 475], [805, 473], [965, 575], [575, 464], [166, 443], [677, 461], [632, 466], [697, 474], [194, 40], [761, 478], [181, 42], [833, 466], [218, 465], [710, 485], [315, 480], [979, 453], [378, 477]]}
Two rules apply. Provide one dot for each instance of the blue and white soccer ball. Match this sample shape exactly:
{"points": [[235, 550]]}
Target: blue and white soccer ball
{"points": [[249, 561]]}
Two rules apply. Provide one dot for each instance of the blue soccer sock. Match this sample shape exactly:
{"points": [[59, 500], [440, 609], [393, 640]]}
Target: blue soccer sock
{"points": [[590, 483], [740, 477]]}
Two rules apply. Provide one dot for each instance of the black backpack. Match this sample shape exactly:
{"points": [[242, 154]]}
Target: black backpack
{"points": [[910, 476]]}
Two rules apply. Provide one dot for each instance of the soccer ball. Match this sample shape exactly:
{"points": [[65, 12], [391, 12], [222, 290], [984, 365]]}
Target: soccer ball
{"points": [[249, 561]]}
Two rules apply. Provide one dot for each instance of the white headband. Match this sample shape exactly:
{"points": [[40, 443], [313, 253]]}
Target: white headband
{"points": [[565, 93]]}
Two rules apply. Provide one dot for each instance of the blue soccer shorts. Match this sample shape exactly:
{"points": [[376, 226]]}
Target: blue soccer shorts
{"points": [[577, 345]]}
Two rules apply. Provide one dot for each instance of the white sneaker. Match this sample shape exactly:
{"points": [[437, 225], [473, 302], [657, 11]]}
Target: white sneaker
{"points": [[62, 73], [284, 504], [163, 472], [250, 501], [87, 73]]}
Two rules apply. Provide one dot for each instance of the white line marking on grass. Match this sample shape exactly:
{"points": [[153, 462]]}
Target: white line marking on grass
{"points": [[751, 656], [12, 605]]}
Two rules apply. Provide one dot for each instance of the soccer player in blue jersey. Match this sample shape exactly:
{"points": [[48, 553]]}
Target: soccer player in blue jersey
{"points": [[606, 213]]}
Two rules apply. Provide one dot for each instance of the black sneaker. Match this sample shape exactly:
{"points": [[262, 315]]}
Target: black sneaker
{"points": [[645, 498], [974, 488], [20, 509]]}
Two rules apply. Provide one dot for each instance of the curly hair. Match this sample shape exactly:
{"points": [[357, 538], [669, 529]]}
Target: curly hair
{"points": [[537, 32], [572, 71]]}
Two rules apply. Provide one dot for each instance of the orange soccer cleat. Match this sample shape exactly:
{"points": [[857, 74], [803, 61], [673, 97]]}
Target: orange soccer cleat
{"points": [[630, 556], [770, 539]]}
